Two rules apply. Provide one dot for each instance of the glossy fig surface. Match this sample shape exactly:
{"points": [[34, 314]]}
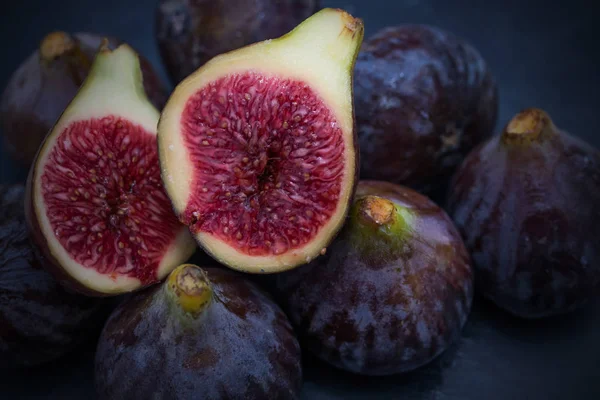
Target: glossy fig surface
{"points": [[392, 292], [526, 203], [39, 320], [205, 333], [424, 98]]}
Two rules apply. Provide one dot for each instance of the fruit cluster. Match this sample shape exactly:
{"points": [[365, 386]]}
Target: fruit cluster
{"points": [[255, 158]]}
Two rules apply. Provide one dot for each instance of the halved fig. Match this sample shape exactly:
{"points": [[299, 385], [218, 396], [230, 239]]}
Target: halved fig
{"points": [[96, 206], [258, 148]]}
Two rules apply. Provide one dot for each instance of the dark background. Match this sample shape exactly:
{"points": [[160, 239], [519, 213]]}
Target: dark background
{"points": [[543, 54]]}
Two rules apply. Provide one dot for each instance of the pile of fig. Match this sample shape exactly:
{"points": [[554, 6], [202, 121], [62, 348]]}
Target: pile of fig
{"points": [[251, 167]]}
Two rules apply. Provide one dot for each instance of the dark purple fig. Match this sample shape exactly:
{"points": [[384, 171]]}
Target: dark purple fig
{"points": [[424, 98], [393, 291], [526, 203], [43, 86], [204, 333], [191, 32], [39, 320]]}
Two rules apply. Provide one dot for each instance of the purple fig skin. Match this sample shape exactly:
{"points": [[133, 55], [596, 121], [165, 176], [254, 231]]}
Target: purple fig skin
{"points": [[390, 310], [527, 207], [189, 33], [424, 98], [39, 320], [40, 89], [241, 347]]}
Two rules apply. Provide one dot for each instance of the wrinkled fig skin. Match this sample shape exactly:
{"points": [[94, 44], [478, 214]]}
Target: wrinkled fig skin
{"points": [[39, 320], [38, 92], [530, 218], [243, 348], [424, 98], [385, 314], [191, 32]]}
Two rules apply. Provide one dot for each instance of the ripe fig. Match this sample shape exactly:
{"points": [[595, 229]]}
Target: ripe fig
{"points": [[42, 87], [393, 291], [424, 98], [205, 333], [189, 33], [526, 203], [257, 147], [96, 205], [39, 320]]}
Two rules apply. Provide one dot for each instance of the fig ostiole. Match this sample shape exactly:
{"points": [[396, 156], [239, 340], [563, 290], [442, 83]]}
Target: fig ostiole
{"points": [[393, 291], [424, 99], [42, 87], [257, 147], [203, 332], [189, 33], [96, 206], [526, 202], [40, 321]]}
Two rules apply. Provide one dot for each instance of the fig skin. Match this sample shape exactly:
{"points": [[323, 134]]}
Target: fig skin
{"points": [[44, 84], [39, 320], [526, 203], [189, 33], [161, 344], [424, 98], [377, 305]]}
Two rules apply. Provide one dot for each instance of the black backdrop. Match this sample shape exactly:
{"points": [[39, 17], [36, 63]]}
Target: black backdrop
{"points": [[544, 54]]}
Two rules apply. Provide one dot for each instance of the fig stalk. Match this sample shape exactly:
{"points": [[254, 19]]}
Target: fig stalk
{"points": [[189, 289], [529, 125]]}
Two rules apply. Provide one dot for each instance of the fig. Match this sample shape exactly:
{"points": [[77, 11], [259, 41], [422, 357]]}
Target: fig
{"points": [[204, 333], [189, 33], [424, 98], [40, 321], [95, 202], [257, 147], [526, 203], [393, 291], [42, 87]]}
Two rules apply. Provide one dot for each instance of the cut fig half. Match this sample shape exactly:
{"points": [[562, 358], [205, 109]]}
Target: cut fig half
{"points": [[258, 147], [95, 205]]}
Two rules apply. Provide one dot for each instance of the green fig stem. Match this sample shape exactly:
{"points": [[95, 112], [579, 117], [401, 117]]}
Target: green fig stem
{"points": [[530, 125], [382, 215], [379, 229], [189, 289]]}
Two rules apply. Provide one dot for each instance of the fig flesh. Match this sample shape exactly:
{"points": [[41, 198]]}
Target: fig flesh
{"points": [[96, 206], [257, 147], [393, 291], [39, 320], [189, 33], [205, 333], [42, 87], [526, 203], [424, 98]]}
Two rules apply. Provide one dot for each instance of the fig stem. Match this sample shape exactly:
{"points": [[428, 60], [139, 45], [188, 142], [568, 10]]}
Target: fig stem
{"points": [[376, 210], [55, 44], [531, 124], [189, 288], [58, 44], [383, 215]]}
